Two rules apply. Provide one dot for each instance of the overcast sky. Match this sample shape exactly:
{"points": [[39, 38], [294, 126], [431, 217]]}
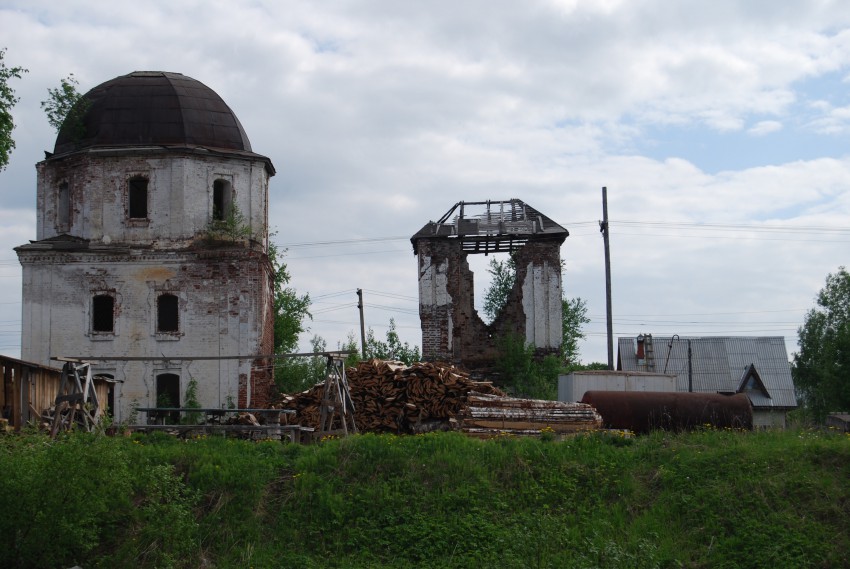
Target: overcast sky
{"points": [[720, 129]]}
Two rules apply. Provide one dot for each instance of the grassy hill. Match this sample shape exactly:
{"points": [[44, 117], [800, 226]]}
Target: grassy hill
{"points": [[704, 499]]}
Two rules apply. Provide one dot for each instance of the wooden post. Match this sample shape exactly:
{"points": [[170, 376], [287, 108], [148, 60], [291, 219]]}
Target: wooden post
{"points": [[362, 323]]}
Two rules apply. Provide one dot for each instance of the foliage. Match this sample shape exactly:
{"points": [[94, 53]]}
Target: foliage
{"points": [[704, 499], [231, 228], [293, 375], [503, 275], [392, 348], [821, 368], [66, 107], [523, 375], [7, 102], [190, 401], [351, 345], [290, 311], [297, 374], [574, 317], [571, 367], [81, 498]]}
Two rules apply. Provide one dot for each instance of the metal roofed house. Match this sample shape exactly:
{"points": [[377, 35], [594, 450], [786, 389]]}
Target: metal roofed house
{"points": [[452, 330], [757, 366]]}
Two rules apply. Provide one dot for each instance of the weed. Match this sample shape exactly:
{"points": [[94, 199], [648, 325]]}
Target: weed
{"points": [[711, 498]]}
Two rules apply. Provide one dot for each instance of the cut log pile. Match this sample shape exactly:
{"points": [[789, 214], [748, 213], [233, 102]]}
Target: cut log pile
{"points": [[391, 396], [486, 415]]}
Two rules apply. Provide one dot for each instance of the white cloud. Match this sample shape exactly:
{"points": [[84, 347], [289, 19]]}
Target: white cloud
{"points": [[762, 128], [380, 116]]}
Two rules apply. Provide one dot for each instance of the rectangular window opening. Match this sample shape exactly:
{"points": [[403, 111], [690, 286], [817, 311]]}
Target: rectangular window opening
{"points": [[222, 196], [167, 313], [103, 313], [138, 198]]}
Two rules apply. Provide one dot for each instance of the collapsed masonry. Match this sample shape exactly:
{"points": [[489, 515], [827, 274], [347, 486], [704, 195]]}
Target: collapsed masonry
{"points": [[452, 330]]}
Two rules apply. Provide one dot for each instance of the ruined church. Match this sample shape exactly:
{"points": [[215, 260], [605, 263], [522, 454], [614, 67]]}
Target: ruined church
{"points": [[151, 253]]}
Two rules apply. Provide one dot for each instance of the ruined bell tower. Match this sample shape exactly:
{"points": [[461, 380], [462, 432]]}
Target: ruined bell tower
{"points": [[452, 330]]}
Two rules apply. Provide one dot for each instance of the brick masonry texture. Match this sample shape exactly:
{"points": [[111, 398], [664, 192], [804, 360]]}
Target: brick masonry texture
{"points": [[223, 286], [453, 331]]}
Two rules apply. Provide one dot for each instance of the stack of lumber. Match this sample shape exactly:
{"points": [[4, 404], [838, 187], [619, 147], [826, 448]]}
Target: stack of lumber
{"points": [[487, 415], [243, 419], [391, 396]]}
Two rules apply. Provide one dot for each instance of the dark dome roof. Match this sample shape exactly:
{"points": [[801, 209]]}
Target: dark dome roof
{"points": [[154, 108]]}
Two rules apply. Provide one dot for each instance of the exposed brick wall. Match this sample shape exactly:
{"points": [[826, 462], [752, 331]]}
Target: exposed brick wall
{"points": [[262, 371], [452, 330]]}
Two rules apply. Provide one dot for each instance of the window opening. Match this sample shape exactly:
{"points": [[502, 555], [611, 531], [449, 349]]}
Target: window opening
{"points": [[167, 315], [168, 395], [103, 313], [110, 391], [138, 198], [221, 199]]}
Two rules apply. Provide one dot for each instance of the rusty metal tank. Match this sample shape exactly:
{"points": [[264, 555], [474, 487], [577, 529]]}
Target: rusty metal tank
{"points": [[643, 411]]}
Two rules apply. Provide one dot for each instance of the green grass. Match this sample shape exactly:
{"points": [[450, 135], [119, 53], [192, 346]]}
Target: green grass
{"points": [[704, 499]]}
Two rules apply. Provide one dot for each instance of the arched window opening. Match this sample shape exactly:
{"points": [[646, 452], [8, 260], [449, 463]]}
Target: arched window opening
{"points": [[222, 199], [167, 313], [168, 395], [137, 198], [103, 313]]}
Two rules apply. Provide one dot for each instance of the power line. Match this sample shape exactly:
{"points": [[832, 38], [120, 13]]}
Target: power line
{"points": [[392, 295]]}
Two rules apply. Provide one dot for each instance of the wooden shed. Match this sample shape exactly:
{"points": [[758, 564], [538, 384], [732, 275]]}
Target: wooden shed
{"points": [[29, 389]]}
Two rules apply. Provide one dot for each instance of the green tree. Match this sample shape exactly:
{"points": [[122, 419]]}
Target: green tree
{"points": [[290, 309], [574, 319], [574, 315], [503, 275], [64, 103], [392, 348], [7, 102], [297, 374], [821, 369], [523, 375]]}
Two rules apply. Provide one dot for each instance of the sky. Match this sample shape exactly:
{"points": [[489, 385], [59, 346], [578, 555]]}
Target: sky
{"points": [[720, 130]]}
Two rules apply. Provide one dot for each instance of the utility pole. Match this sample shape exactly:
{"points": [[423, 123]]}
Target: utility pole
{"points": [[603, 227], [362, 325], [690, 368]]}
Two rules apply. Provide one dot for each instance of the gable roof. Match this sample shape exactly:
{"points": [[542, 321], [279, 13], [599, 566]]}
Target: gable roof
{"points": [[719, 364], [752, 384]]}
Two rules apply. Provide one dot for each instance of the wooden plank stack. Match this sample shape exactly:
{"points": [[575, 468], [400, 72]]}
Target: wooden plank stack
{"points": [[487, 415], [391, 396]]}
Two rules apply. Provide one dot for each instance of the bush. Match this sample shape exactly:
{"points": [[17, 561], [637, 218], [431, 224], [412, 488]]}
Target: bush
{"points": [[523, 375]]}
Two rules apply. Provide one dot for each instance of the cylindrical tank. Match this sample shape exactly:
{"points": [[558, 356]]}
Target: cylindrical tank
{"points": [[643, 411]]}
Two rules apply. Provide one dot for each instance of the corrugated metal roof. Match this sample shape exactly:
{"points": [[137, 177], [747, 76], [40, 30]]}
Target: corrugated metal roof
{"points": [[718, 364]]}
